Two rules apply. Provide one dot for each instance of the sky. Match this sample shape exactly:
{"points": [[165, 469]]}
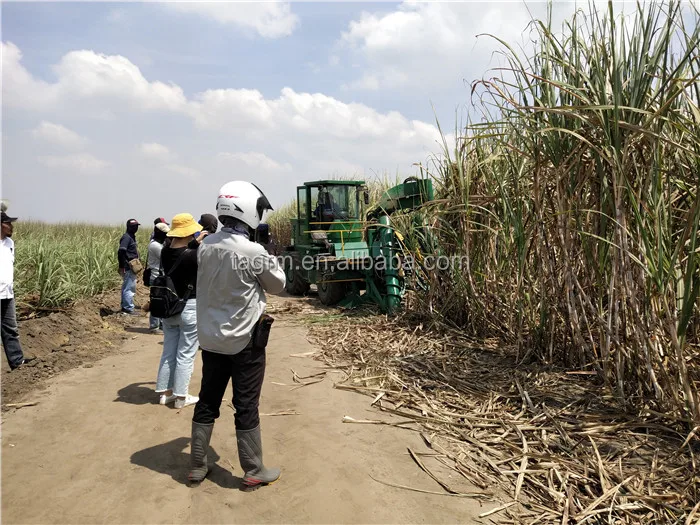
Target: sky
{"points": [[144, 109]]}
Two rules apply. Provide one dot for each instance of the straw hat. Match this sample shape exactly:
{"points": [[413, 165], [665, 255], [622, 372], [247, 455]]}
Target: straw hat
{"points": [[183, 225]]}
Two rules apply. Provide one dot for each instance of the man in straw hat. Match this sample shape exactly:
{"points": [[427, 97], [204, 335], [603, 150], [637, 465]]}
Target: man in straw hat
{"points": [[233, 275]]}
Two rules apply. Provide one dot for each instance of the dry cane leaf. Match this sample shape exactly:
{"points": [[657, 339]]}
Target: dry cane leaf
{"points": [[283, 413], [21, 405], [445, 386], [497, 509]]}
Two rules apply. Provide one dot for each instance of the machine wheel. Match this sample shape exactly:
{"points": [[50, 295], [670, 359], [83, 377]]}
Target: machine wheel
{"points": [[330, 293], [296, 284]]}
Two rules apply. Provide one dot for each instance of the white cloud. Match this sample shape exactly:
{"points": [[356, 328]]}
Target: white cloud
{"points": [[268, 19], [114, 80], [257, 160], [231, 109], [280, 141], [19, 88], [153, 150], [86, 74], [58, 135], [307, 114], [433, 44], [79, 162], [85, 81]]}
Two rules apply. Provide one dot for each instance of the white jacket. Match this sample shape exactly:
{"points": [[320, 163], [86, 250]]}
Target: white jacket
{"points": [[233, 274], [7, 268]]}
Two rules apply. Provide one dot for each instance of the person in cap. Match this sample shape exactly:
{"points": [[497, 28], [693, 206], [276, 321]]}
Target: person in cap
{"points": [[9, 331], [180, 342], [156, 222], [155, 246], [233, 275], [209, 222], [128, 252]]}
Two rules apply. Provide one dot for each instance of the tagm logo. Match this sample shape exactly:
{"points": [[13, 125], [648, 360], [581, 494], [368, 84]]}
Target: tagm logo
{"points": [[379, 264]]}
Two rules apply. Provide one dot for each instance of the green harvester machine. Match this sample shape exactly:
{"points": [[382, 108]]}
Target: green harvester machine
{"points": [[352, 254]]}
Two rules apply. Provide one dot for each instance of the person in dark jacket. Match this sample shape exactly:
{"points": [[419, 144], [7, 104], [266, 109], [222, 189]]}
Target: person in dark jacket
{"points": [[180, 342], [209, 222], [128, 251]]}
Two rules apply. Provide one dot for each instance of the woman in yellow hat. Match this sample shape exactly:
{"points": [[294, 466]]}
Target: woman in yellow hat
{"points": [[180, 343]]}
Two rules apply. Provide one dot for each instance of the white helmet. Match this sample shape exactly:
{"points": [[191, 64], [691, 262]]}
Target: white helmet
{"points": [[243, 201]]}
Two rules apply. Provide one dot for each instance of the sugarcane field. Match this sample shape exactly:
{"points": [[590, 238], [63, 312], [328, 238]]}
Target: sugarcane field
{"points": [[340, 262]]}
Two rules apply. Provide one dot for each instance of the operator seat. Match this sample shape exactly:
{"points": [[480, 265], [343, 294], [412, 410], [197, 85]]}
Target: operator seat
{"points": [[324, 210]]}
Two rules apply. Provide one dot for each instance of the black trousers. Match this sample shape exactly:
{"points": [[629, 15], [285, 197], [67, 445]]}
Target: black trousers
{"points": [[246, 371]]}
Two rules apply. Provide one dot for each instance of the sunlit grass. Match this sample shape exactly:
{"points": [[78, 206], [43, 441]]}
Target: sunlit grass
{"points": [[57, 264], [575, 199]]}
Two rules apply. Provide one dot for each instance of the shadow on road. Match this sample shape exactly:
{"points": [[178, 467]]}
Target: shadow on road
{"points": [[173, 459], [137, 394], [138, 330]]}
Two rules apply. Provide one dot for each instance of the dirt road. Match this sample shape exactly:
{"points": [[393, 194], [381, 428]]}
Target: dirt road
{"points": [[99, 449]]}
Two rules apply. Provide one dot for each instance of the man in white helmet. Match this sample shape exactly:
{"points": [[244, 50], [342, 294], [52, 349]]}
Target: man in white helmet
{"points": [[233, 275]]}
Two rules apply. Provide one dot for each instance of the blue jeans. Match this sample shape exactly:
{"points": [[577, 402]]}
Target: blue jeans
{"points": [[10, 334], [155, 322], [128, 290], [180, 345]]}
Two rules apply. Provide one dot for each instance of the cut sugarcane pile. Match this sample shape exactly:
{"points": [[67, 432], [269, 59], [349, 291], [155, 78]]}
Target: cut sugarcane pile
{"points": [[553, 441]]}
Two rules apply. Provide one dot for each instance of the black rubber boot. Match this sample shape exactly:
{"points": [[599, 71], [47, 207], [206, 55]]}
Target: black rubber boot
{"points": [[251, 458], [201, 434]]}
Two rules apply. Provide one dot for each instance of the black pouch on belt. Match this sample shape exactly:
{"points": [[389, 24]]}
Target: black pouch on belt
{"points": [[261, 334]]}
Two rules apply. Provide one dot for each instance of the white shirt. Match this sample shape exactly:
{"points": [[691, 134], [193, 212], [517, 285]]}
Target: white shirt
{"points": [[7, 268], [233, 275], [154, 249]]}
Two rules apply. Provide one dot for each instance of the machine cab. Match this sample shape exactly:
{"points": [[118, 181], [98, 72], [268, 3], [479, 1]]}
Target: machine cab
{"points": [[330, 216], [322, 203]]}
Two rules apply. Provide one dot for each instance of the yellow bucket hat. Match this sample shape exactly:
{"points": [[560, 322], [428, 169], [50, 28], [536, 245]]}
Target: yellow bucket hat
{"points": [[183, 225]]}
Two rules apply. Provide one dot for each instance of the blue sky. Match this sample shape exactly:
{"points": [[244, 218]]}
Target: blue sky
{"points": [[195, 53], [114, 110]]}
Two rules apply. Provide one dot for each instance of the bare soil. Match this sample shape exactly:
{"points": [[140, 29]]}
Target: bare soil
{"points": [[97, 448], [67, 338]]}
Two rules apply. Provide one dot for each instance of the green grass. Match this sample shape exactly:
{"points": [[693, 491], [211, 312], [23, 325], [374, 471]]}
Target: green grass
{"points": [[280, 223], [576, 200], [574, 196], [58, 264]]}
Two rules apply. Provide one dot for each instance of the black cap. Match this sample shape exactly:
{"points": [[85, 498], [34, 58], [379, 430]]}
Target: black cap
{"points": [[209, 222], [132, 222], [158, 220], [7, 218]]}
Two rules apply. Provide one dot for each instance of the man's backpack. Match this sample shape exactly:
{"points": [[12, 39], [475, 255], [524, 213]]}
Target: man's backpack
{"points": [[164, 299]]}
